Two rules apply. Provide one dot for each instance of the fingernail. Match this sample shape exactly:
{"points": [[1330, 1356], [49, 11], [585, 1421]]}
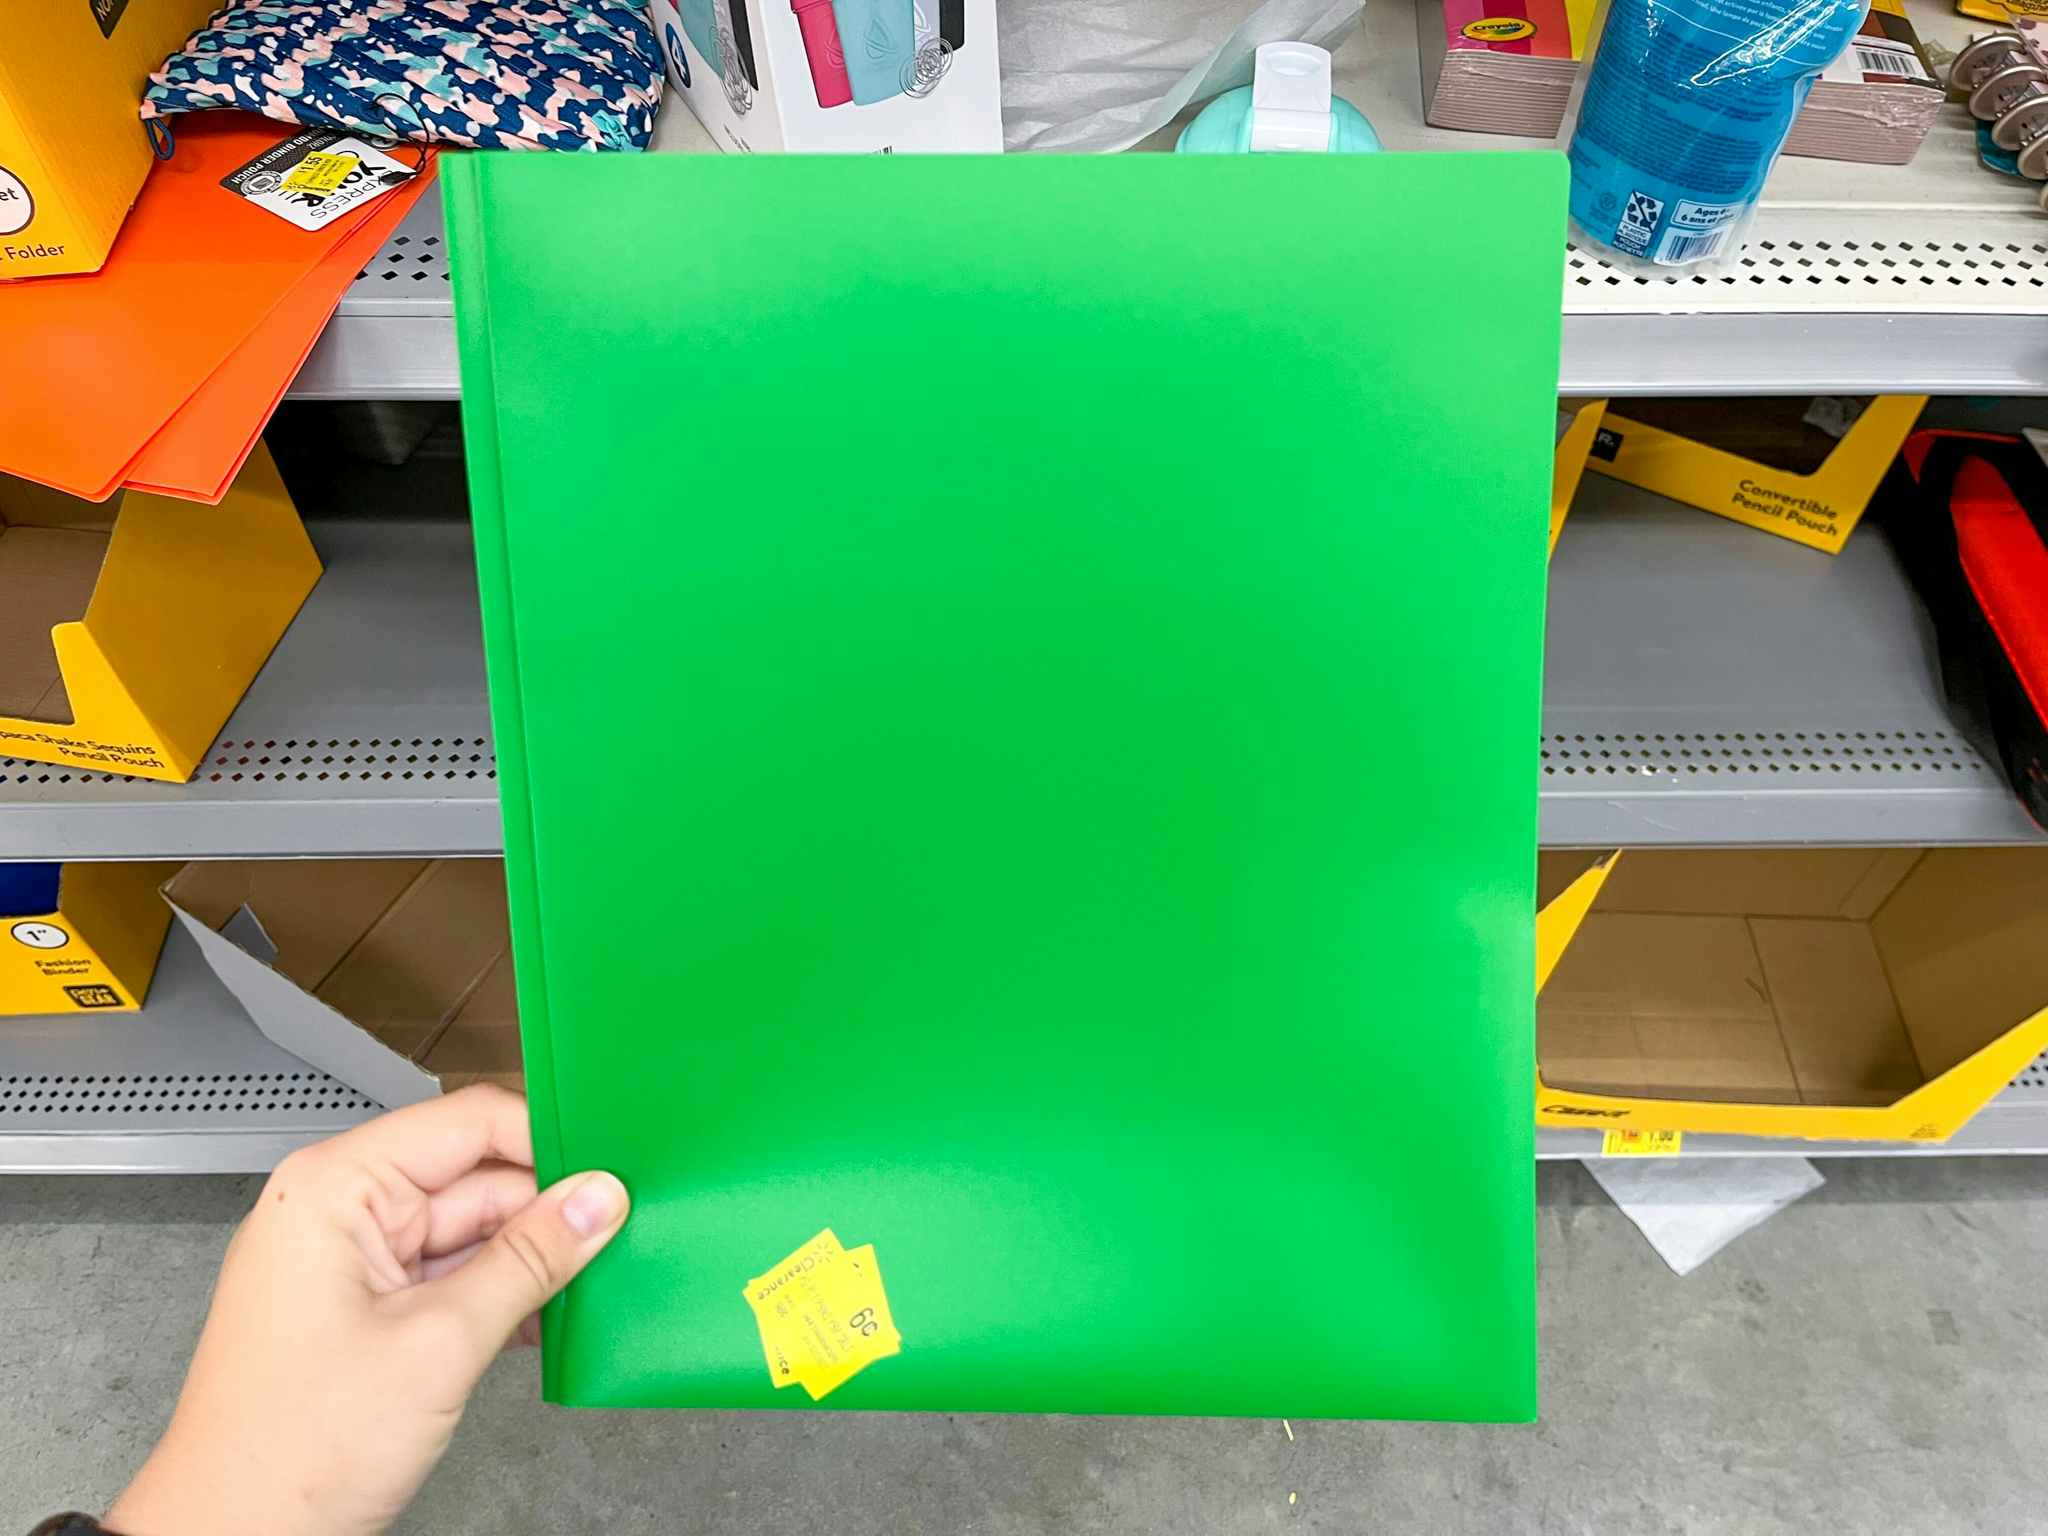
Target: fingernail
{"points": [[595, 1204]]}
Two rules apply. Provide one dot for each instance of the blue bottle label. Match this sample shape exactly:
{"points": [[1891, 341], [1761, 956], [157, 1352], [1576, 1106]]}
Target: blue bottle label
{"points": [[1685, 107]]}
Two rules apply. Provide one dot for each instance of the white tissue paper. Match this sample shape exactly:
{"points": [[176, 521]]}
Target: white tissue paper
{"points": [[1102, 74], [1690, 1208]]}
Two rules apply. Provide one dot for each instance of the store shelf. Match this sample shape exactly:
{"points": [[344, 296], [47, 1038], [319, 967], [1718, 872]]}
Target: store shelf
{"points": [[190, 1086], [2016, 1122], [1706, 684], [367, 731], [186, 1086], [1709, 684], [1929, 278]]}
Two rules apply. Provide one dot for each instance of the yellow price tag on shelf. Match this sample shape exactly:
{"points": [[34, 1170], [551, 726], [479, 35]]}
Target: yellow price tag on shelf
{"points": [[1641, 1143], [320, 172]]}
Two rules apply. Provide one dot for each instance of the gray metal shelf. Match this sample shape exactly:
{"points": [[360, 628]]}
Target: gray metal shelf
{"points": [[1709, 684], [367, 732], [1934, 300], [2015, 1122], [1930, 277], [1705, 684], [187, 1085]]}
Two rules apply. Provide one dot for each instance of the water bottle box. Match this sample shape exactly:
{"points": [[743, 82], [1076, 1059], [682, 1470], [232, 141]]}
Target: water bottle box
{"points": [[837, 76]]}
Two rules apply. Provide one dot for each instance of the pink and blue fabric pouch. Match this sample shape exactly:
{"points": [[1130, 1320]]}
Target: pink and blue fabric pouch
{"points": [[489, 74]]}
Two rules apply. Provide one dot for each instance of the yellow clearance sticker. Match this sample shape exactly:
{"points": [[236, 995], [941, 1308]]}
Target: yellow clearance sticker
{"points": [[1641, 1143], [823, 1315], [319, 172], [1499, 29]]}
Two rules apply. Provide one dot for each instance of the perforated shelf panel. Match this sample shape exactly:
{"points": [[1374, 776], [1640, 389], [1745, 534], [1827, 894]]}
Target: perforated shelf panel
{"points": [[1709, 684], [1929, 277], [188, 1085], [366, 732], [1705, 684]]}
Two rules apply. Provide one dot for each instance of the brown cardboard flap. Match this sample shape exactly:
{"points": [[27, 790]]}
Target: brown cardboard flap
{"points": [[409, 974], [1793, 882], [1590, 1052], [1558, 868], [1764, 977], [1773, 431], [1691, 990], [46, 579], [482, 1040], [1836, 1015], [314, 910], [24, 504], [1965, 944], [365, 968]]}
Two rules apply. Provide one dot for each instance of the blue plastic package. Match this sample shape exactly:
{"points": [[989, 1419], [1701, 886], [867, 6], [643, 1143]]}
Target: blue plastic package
{"points": [[1684, 107]]}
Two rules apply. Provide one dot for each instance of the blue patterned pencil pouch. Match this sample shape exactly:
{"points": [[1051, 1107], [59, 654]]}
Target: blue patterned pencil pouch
{"points": [[490, 74]]}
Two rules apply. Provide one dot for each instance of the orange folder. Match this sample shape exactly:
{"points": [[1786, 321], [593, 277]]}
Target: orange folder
{"points": [[97, 365], [202, 448]]}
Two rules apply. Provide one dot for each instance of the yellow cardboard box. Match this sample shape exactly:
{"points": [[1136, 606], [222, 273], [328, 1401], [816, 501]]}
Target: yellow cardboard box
{"points": [[1577, 423], [1850, 994], [1764, 463], [73, 152], [80, 937], [125, 645]]}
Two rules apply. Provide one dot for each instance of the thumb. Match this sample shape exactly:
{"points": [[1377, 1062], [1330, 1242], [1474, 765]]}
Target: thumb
{"points": [[533, 1256]]}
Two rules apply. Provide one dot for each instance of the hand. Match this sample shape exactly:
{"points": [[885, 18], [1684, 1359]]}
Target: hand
{"points": [[378, 1276]]}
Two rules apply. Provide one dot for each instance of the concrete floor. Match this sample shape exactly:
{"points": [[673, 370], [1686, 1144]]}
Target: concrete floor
{"points": [[1874, 1359]]}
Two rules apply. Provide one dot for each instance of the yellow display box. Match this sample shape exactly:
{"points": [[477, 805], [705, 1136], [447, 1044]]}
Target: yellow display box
{"points": [[1831, 994], [1577, 424], [125, 645], [73, 152], [90, 943], [1763, 463]]}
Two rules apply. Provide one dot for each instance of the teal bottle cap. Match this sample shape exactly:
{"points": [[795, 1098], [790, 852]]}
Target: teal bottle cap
{"points": [[1287, 108]]}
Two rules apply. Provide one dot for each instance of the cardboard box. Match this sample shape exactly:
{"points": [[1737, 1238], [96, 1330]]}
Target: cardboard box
{"points": [[80, 937], [73, 152], [842, 76], [1833, 993], [129, 631], [1491, 68], [1577, 424], [392, 975], [1796, 467]]}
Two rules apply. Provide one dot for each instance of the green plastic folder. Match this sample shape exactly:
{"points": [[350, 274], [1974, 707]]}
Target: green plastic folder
{"points": [[1016, 690]]}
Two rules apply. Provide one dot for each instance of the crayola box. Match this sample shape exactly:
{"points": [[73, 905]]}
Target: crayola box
{"points": [[1507, 66], [79, 937], [1863, 994]]}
